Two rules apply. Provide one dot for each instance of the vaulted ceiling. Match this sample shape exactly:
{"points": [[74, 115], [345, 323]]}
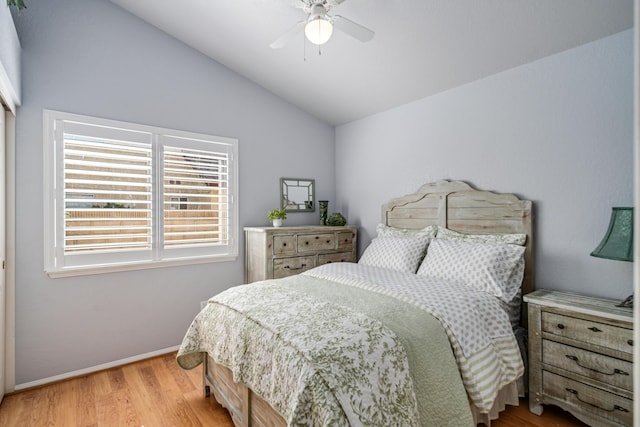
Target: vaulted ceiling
{"points": [[420, 47]]}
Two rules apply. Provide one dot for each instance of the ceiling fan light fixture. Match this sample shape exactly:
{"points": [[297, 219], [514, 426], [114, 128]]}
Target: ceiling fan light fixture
{"points": [[318, 29]]}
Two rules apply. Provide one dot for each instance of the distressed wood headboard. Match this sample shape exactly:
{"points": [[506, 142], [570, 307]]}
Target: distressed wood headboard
{"points": [[457, 206]]}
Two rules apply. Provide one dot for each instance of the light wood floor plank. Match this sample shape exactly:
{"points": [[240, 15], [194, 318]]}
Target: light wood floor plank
{"points": [[184, 379], [101, 384], [68, 397], [183, 412], [127, 414], [157, 392], [86, 401], [148, 412], [107, 409]]}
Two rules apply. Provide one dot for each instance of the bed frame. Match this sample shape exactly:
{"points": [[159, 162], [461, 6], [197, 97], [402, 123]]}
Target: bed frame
{"points": [[451, 204]]}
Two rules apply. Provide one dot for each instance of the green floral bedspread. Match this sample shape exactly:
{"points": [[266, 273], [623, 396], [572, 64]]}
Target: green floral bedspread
{"points": [[322, 353]]}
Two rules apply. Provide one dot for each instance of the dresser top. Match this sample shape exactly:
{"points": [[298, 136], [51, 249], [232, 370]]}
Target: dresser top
{"points": [[302, 228], [580, 303]]}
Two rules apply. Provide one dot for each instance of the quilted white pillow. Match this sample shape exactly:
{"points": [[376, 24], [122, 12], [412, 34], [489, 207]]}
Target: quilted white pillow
{"points": [[387, 231], [396, 252], [513, 239], [483, 266]]}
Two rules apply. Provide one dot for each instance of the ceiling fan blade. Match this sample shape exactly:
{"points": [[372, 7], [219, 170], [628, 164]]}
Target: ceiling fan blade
{"points": [[353, 29], [281, 41]]}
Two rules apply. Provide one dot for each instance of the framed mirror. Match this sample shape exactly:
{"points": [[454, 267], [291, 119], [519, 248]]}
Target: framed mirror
{"points": [[297, 194]]}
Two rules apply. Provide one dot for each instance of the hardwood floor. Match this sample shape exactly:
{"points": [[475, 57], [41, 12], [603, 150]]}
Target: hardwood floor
{"points": [[156, 392]]}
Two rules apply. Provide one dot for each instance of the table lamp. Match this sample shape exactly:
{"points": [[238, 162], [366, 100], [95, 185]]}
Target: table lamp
{"points": [[617, 243]]}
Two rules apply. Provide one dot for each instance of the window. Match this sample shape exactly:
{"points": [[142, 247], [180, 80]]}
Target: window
{"points": [[125, 196]]}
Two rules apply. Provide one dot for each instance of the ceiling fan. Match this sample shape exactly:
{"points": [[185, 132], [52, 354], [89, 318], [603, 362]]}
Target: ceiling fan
{"points": [[318, 25]]}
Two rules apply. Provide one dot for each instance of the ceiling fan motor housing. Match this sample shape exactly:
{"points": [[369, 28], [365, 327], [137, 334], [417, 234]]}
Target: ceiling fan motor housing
{"points": [[317, 11]]}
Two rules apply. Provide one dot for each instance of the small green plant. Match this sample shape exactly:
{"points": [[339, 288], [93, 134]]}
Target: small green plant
{"points": [[19, 4], [277, 214]]}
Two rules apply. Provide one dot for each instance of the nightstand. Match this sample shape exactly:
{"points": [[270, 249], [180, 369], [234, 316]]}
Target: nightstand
{"points": [[581, 357]]}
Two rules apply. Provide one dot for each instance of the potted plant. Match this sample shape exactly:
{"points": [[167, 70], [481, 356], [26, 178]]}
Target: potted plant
{"points": [[276, 216], [19, 4]]}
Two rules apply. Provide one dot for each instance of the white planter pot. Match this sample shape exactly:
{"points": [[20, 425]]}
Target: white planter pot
{"points": [[277, 223]]}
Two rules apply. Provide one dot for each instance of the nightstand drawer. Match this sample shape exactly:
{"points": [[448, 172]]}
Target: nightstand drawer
{"points": [[337, 257], [590, 399], [587, 331], [316, 242], [284, 267], [596, 366], [284, 245]]}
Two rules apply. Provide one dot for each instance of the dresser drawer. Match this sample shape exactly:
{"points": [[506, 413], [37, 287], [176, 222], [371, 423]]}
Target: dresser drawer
{"points": [[316, 242], [589, 399], [345, 241], [284, 245], [284, 267], [337, 257], [596, 366], [587, 331]]}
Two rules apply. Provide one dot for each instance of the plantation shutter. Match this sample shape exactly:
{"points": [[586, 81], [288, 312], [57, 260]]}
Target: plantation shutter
{"points": [[196, 203], [107, 184]]}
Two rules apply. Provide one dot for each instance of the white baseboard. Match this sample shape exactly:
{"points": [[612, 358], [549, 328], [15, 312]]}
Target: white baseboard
{"points": [[97, 368]]}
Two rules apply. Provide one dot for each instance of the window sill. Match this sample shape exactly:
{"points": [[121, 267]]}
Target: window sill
{"points": [[143, 265]]}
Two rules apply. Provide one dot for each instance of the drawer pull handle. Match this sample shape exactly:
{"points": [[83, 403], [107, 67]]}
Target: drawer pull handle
{"points": [[615, 407], [615, 371], [630, 342], [298, 268], [284, 244], [594, 329], [560, 326], [328, 241]]}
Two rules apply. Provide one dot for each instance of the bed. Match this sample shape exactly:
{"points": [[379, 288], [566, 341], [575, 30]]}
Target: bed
{"points": [[466, 386]]}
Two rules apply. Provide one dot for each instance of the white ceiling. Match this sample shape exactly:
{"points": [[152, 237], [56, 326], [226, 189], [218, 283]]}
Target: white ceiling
{"points": [[421, 47]]}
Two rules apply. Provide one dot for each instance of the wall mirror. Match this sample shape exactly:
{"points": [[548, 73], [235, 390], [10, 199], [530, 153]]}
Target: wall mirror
{"points": [[297, 194]]}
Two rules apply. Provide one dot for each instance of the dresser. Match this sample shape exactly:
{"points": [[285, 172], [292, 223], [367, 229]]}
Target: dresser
{"points": [[581, 357], [276, 252]]}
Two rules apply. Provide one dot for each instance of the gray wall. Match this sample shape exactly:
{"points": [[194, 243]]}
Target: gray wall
{"points": [[93, 58], [557, 131]]}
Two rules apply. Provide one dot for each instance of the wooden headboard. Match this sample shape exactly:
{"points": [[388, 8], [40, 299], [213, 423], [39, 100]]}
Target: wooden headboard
{"points": [[457, 206]]}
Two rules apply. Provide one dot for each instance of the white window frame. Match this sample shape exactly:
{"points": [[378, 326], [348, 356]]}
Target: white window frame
{"points": [[54, 259]]}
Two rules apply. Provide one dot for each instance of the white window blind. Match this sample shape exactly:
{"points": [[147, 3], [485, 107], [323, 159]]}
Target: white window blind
{"points": [[120, 194]]}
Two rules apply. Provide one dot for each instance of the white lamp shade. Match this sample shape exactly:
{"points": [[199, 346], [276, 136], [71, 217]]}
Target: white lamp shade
{"points": [[318, 30]]}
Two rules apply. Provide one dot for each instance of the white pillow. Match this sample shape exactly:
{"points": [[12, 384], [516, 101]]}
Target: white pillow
{"points": [[387, 231], [513, 239], [493, 268], [396, 252]]}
